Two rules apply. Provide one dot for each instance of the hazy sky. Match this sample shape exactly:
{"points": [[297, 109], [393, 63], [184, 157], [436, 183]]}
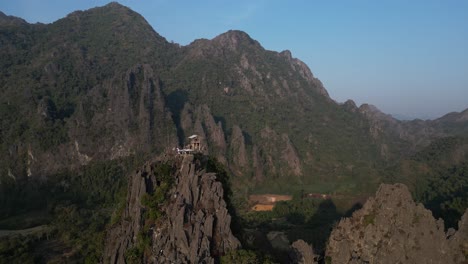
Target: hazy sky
{"points": [[405, 57]]}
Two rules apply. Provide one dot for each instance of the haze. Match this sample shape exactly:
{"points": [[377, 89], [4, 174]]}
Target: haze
{"points": [[406, 57]]}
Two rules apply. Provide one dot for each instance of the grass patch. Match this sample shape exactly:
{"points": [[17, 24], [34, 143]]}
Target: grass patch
{"points": [[369, 219]]}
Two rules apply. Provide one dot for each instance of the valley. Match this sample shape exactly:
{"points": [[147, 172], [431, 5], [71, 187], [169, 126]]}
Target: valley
{"points": [[94, 106]]}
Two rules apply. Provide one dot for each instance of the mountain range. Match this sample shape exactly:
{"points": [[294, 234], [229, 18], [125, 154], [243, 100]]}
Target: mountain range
{"points": [[101, 86]]}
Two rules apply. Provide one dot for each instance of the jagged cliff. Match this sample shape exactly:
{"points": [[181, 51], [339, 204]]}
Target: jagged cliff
{"points": [[302, 253], [194, 223], [392, 228]]}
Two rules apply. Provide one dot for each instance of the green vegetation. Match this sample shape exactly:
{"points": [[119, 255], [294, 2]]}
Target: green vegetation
{"points": [[18, 249], [58, 83], [78, 205], [369, 219], [240, 257], [243, 256], [309, 219], [438, 177], [153, 203]]}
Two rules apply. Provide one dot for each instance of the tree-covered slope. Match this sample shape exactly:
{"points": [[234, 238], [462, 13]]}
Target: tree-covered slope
{"points": [[102, 84], [80, 98], [438, 177], [80, 89]]}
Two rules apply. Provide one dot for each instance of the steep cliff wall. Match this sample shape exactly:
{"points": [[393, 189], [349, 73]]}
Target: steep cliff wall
{"points": [[193, 223]]}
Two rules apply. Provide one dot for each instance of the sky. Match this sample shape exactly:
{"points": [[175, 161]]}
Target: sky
{"points": [[405, 57]]}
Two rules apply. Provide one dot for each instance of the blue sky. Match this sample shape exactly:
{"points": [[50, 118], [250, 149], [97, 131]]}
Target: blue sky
{"points": [[405, 57]]}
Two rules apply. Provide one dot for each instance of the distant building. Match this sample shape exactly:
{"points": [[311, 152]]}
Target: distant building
{"points": [[194, 146], [194, 143]]}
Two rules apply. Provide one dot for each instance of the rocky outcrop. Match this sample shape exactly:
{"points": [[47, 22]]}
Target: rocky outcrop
{"points": [[392, 228], [200, 121], [378, 120], [238, 151], [195, 226], [279, 149], [302, 253], [350, 105], [197, 229], [304, 71], [233, 39], [124, 234], [290, 156], [257, 164]]}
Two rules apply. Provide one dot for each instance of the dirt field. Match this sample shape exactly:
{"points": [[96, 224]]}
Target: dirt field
{"points": [[263, 207], [265, 202], [268, 198]]}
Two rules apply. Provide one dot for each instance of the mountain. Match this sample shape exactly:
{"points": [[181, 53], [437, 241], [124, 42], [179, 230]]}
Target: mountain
{"points": [[87, 99], [404, 117], [417, 132], [391, 228], [436, 176], [80, 89], [101, 84]]}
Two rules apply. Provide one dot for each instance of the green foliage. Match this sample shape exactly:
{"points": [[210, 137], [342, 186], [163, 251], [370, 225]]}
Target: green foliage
{"points": [[307, 219], [78, 206], [133, 255], [49, 134], [438, 177], [243, 256], [240, 257], [66, 65], [447, 194], [416, 218], [213, 165], [153, 201], [369, 219], [17, 249]]}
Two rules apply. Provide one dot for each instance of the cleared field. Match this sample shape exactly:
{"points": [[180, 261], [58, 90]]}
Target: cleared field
{"points": [[266, 202], [268, 198]]}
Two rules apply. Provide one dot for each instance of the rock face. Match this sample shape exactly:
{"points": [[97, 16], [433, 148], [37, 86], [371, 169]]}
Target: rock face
{"points": [[123, 235], [198, 226], [302, 253], [195, 227], [392, 228]]}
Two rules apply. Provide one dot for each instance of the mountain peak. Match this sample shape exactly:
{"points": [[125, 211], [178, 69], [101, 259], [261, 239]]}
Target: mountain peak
{"points": [[234, 34], [455, 116], [112, 19], [235, 38], [10, 20], [115, 4]]}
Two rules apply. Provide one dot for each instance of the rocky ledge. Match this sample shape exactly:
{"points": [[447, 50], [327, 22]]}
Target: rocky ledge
{"points": [[392, 228]]}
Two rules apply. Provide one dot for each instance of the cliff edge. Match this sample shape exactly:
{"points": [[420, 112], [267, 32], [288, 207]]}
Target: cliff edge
{"points": [[188, 223], [392, 228]]}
